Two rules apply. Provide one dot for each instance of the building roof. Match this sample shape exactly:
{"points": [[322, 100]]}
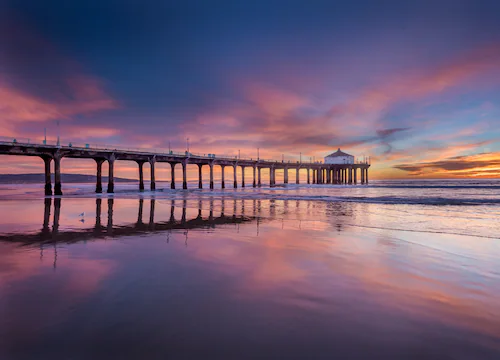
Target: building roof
{"points": [[338, 153]]}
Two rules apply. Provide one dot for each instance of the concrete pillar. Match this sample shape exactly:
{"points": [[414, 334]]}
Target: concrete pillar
{"points": [[254, 184], [355, 170], [235, 185], [111, 180], [242, 176], [259, 175], [297, 180], [223, 185], [57, 175], [328, 177], [211, 165], [349, 171], [362, 176], [313, 176], [141, 175], [184, 175], [271, 176], [172, 174], [200, 180], [98, 181], [285, 175], [48, 180], [152, 174], [308, 178], [366, 180]]}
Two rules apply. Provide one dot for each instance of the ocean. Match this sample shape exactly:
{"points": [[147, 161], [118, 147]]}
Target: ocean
{"points": [[400, 269]]}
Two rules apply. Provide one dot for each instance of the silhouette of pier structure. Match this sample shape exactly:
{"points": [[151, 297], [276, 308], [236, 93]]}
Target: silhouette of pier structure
{"points": [[210, 214], [106, 227], [317, 173]]}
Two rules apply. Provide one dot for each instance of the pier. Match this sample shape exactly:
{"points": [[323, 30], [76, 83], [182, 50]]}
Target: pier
{"points": [[317, 172]]}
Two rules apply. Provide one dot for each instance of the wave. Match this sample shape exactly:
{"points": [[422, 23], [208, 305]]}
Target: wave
{"points": [[387, 200]]}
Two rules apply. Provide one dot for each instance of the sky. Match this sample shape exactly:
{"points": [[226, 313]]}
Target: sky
{"points": [[414, 85]]}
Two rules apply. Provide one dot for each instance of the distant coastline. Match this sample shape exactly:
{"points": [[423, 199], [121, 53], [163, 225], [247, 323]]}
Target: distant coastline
{"points": [[67, 178]]}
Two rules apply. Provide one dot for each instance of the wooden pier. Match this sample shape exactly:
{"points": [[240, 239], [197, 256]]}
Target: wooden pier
{"points": [[317, 173]]}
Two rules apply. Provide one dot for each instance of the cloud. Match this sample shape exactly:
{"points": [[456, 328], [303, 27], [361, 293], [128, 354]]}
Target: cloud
{"points": [[465, 165], [39, 84]]}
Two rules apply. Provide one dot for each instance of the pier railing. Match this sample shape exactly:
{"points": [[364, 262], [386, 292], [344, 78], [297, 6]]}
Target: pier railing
{"points": [[153, 150]]}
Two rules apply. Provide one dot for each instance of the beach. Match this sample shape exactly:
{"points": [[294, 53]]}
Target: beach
{"points": [[397, 269]]}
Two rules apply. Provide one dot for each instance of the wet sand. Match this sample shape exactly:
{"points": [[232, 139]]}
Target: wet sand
{"points": [[200, 277]]}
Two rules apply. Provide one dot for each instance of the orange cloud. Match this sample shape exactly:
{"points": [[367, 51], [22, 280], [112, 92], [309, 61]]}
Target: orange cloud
{"points": [[86, 96]]}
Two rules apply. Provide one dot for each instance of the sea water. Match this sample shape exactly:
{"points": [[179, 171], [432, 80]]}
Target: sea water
{"points": [[395, 269]]}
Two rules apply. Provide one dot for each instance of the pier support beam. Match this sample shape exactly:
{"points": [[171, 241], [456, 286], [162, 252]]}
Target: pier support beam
{"points": [[184, 175], [211, 165], [328, 176], [48, 180], [200, 180], [172, 175], [271, 176], [141, 175], [259, 176], [355, 175], [297, 180], [98, 181], [223, 185], [152, 162], [57, 175], [362, 176], [235, 185], [285, 175], [111, 180], [313, 176], [243, 176], [254, 184], [308, 178], [366, 179], [350, 175]]}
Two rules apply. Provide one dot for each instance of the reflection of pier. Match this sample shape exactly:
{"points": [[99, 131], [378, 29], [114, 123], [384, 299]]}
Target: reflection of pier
{"points": [[228, 211], [47, 234]]}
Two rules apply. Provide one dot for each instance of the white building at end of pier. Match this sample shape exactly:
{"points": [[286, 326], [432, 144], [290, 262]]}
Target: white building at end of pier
{"points": [[339, 157]]}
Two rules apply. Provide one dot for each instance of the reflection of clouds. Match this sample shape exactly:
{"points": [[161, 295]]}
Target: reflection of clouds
{"points": [[21, 275], [410, 281], [282, 256]]}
